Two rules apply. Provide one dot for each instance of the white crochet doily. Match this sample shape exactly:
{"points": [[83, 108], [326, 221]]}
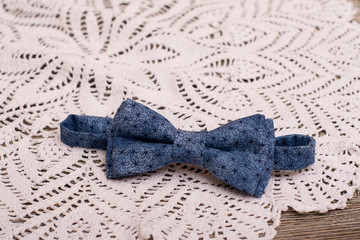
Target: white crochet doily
{"points": [[198, 63]]}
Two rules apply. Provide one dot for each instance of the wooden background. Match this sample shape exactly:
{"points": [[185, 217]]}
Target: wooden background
{"points": [[335, 224]]}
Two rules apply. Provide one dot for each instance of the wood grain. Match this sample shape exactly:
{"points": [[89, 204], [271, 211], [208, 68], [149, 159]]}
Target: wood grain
{"points": [[335, 224], [357, 5]]}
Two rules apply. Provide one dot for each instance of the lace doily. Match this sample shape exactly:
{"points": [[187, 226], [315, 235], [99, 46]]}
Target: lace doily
{"points": [[200, 64]]}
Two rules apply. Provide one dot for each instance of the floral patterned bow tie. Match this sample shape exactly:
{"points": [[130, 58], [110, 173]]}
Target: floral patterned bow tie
{"points": [[242, 153]]}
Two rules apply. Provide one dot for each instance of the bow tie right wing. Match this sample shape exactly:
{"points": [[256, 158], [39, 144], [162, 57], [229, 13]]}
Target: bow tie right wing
{"points": [[237, 170], [242, 133], [241, 153]]}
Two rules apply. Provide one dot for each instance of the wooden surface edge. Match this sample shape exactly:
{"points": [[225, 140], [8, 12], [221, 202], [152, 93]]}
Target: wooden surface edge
{"points": [[334, 224]]}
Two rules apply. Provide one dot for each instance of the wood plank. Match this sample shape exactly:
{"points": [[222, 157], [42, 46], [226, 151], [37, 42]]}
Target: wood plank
{"points": [[335, 224], [357, 5]]}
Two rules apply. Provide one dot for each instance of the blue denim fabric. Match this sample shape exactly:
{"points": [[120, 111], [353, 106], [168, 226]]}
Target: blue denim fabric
{"points": [[241, 153]]}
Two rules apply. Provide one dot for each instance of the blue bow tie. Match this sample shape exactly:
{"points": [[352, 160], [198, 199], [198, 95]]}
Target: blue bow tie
{"points": [[242, 153]]}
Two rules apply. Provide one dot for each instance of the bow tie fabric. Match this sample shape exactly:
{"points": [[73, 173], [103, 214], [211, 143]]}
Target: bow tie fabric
{"points": [[241, 153]]}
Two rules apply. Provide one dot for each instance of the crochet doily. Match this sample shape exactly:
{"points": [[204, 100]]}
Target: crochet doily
{"points": [[198, 63]]}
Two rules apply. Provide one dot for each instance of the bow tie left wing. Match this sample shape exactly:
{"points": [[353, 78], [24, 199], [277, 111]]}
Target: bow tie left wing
{"points": [[136, 121], [127, 157], [132, 121], [141, 141]]}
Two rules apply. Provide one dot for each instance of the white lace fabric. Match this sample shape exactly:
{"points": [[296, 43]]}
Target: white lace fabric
{"points": [[198, 63]]}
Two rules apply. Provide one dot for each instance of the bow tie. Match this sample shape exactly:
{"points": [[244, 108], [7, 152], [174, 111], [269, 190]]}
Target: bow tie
{"points": [[241, 153]]}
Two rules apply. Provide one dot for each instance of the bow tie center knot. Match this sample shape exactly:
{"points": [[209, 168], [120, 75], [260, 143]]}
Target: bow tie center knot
{"points": [[188, 147]]}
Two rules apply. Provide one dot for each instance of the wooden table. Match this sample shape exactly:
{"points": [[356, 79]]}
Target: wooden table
{"points": [[335, 224]]}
